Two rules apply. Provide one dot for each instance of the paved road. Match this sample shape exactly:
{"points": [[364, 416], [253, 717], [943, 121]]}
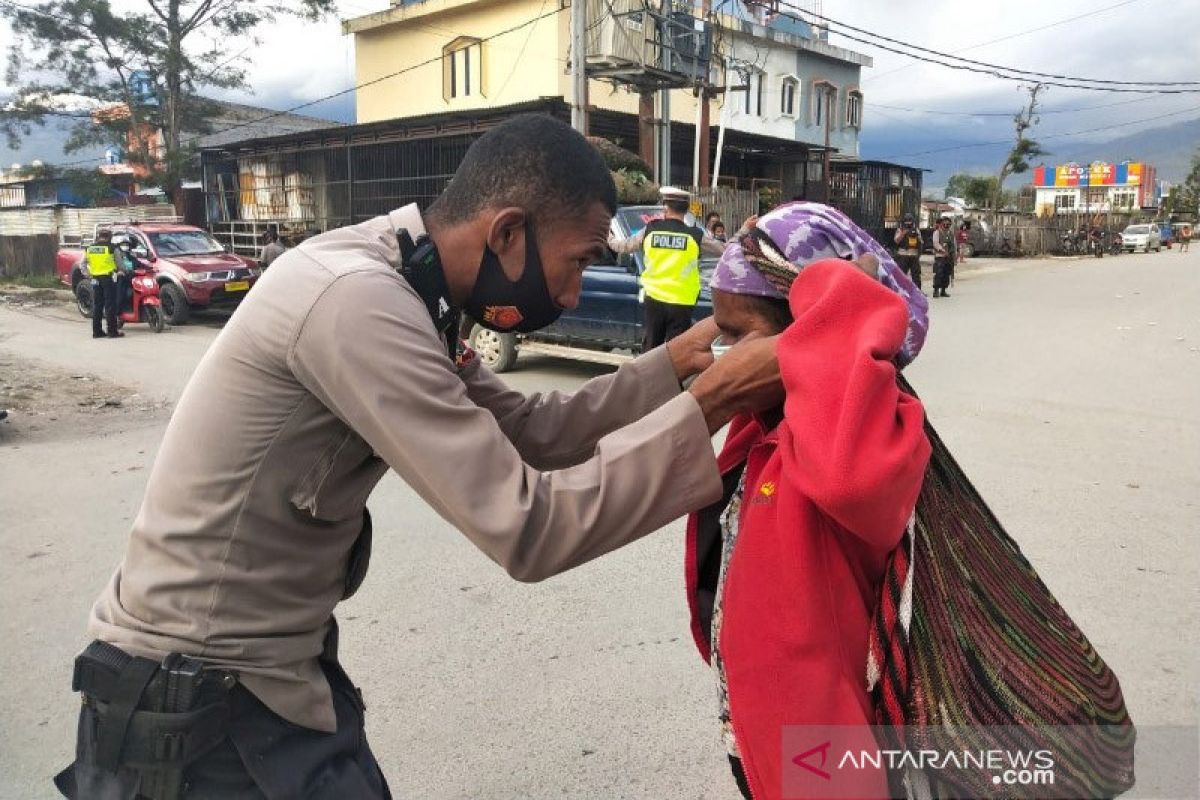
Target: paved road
{"points": [[1068, 389]]}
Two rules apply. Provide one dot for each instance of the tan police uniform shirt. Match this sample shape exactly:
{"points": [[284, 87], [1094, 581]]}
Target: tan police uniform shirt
{"points": [[329, 373]]}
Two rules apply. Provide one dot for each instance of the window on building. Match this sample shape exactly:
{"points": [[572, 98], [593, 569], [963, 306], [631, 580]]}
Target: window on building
{"points": [[1064, 202], [462, 69], [789, 95], [1123, 199], [854, 108], [754, 87], [824, 100]]}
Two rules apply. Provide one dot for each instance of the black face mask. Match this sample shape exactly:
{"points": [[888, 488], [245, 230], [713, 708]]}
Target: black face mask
{"points": [[502, 305]]}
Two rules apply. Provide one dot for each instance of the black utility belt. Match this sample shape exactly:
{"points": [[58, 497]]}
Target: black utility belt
{"points": [[151, 714]]}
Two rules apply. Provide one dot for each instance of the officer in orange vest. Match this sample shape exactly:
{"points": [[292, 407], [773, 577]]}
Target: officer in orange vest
{"points": [[102, 265]]}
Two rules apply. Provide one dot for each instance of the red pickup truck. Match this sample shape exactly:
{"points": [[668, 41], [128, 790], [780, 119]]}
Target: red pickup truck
{"points": [[193, 270]]}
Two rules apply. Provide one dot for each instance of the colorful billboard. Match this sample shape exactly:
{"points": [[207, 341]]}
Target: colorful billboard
{"points": [[1098, 173]]}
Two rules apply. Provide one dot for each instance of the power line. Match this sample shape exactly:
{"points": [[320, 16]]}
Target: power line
{"points": [[1008, 113], [1012, 36], [986, 65], [1044, 137], [1006, 73]]}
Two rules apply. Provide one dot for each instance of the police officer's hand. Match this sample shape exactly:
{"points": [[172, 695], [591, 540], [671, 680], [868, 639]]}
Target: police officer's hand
{"points": [[691, 352], [745, 379]]}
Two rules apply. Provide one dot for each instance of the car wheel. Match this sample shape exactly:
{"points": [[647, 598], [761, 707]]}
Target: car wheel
{"points": [[498, 351], [154, 318], [85, 297], [174, 304]]}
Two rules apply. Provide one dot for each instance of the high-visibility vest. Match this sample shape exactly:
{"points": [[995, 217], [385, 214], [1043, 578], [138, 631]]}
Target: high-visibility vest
{"points": [[671, 250], [910, 243], [101, 261]]}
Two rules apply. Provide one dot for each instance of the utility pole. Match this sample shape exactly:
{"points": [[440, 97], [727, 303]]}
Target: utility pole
{"points": [[579, 81], [828, 101], [702, 142], [646, 129], [664, 164]]}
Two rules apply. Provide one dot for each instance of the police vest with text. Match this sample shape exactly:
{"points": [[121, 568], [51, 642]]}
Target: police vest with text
{"points": [[910, 243], [671, 249], [101, 261]]}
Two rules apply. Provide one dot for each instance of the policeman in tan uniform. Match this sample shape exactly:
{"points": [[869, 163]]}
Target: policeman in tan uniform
{"points": [[214, 669]]}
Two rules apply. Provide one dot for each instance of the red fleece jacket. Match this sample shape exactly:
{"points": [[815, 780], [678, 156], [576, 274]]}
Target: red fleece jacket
{"points": [[828, 494]]}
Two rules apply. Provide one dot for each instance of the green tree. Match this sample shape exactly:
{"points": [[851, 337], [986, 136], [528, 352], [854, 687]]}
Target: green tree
{"points": [[1184, 198], [978, 190], [149, 65], [1025, 150]]}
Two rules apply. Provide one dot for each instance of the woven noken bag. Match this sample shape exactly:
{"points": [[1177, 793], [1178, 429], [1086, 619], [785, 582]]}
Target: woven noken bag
{"points": [[970, 651]]}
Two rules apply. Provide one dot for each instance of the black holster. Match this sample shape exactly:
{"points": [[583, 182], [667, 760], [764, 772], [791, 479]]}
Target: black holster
{"points": [[149, 721]]}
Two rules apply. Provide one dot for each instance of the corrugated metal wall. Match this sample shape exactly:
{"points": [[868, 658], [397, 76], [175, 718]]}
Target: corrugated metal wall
{"points": [[73, 222]]}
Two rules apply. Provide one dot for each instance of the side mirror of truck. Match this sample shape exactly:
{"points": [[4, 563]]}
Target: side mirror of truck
{"points": [[142, 253]]}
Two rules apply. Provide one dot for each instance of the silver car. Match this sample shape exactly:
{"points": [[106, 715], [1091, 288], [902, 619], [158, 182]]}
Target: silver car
{"points": [[1141, 237]]}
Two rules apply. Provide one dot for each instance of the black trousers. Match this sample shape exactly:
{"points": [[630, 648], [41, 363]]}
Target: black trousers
{"points": [[910, 266], [263, 756], [104, 304], [739, 775], [943, 269], [663, 322]]}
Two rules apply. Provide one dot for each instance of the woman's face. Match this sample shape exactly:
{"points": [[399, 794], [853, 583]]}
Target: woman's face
{"points": [[739, 316]]}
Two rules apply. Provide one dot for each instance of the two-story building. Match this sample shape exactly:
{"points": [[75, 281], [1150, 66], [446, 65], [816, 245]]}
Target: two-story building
{"points": [[781, 81], [1094, 188], [432, 75]]}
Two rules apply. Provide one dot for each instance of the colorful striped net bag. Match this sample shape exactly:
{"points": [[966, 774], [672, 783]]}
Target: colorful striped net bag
{"points": [[971, 652]]}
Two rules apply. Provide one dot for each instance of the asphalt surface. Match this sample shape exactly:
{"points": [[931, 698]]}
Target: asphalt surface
{"points": [[1069, 390]]}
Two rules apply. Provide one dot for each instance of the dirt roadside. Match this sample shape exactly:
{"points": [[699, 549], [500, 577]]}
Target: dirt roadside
{"points": [[45, 403]]}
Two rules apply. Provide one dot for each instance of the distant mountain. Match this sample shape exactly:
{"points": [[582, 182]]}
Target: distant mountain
{"points": [[1169, 149]]}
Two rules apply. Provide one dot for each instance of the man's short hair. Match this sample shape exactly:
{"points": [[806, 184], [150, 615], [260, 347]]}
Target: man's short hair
{"points": [[531, 161], [678, 206], [104, 234]]}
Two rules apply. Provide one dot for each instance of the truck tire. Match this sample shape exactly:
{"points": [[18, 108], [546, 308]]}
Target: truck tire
{"points": [[498, 351], [85, 297], [174, 303]]}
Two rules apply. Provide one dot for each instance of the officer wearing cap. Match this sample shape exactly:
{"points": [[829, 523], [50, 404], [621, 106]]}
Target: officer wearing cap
{"points": [[671, 251], [908, 249]]}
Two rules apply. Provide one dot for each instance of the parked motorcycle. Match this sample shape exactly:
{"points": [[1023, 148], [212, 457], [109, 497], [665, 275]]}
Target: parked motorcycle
{"points": [[1115, 245], [142, 305]]}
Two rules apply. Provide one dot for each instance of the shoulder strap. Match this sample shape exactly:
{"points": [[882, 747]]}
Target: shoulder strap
{"points": [[421, 266]]}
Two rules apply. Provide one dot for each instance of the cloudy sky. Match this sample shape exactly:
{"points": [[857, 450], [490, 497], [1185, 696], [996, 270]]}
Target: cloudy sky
{"points": [[298, 62]]}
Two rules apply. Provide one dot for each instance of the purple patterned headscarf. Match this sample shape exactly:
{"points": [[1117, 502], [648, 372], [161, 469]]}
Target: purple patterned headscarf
{"points": [[809, 232]]}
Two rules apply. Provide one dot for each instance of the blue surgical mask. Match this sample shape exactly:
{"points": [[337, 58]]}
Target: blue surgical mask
{"points": [[719, 348]]}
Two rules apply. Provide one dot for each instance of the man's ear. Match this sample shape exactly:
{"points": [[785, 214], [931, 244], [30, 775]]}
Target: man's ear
{"points": [[506, 238]]}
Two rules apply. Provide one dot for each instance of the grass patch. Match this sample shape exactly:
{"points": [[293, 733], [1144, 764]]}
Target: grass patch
{"points": [[39, 281]]}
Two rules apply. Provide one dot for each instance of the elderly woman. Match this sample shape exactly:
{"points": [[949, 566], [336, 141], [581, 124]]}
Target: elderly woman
{"points": [[783, 573]]}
